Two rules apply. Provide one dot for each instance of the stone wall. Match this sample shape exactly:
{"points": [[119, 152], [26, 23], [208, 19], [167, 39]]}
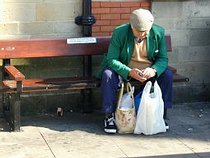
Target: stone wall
{"points": [[39, 18], [188, 22]]}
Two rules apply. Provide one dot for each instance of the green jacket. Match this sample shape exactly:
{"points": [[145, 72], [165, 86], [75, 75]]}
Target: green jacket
{"points": [[121, 49]]}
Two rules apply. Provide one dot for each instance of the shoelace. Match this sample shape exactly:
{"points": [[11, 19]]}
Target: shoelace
{"points": [[111, 121]]}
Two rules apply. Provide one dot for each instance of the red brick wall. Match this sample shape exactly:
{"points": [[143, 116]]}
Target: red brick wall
{"points": [[111, 14]]}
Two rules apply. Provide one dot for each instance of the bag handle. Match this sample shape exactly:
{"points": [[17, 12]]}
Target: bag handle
{"points": [[120, 94], [147, 88], [157, 89], [129, 90]]}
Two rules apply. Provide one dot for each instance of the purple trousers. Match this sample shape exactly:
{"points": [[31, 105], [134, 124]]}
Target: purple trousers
{"points": [[111, 82]]}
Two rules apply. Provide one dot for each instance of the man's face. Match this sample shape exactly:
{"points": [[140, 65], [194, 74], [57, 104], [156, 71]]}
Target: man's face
{"points": [[139, 34]]}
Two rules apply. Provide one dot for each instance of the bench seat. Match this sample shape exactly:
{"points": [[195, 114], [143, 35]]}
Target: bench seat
{"points": [[68, 83]]}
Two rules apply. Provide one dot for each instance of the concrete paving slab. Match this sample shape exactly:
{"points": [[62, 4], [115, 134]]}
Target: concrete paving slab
{"points": [[81, 135], [26, 144]]}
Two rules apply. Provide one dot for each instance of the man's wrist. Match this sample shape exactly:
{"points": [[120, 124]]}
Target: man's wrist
{"points": [[155, 71]]}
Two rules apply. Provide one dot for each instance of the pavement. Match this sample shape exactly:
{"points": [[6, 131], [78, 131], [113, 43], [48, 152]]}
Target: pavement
{"points": [[79, 135]]}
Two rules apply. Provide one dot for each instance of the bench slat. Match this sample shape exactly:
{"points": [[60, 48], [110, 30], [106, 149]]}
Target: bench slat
{"points": [[53, 84], [38, 48], [180, 78], [64, 84]]}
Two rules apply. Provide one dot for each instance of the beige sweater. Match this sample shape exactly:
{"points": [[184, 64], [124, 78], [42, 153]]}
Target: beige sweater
{"points": [[139, 58]]}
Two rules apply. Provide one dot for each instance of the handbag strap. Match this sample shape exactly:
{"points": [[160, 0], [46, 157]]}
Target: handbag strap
{"points": [[120, 94], [129, 90]]}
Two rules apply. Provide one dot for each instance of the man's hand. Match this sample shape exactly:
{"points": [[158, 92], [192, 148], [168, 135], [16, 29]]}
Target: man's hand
{"points": [[149, 72], [137, 74]]}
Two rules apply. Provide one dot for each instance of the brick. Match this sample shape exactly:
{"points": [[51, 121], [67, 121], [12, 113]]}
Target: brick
{"points": [[145, 4], [97, 16], [125, 16], [96, 4], [102, 22], [101, 34], [134, 8], [119, 10], [148, 8], [107, 28], [118, 22], [96, 28], [110, 4], [131, 4], [110, 16], [100, 10]]}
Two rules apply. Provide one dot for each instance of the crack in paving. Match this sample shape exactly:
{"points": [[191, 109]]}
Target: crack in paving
{"points": [[47, 144]]}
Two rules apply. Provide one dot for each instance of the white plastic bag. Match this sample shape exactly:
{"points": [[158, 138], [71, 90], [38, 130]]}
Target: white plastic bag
{"points": [[150, 114], [125, 115]]}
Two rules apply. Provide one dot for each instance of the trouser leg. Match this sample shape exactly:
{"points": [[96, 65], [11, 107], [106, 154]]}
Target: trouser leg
{"points": [[109, 84], [165, 82]]}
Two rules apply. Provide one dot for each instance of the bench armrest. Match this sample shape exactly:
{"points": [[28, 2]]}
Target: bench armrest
{"points": [[14, 73], [172, 69]]}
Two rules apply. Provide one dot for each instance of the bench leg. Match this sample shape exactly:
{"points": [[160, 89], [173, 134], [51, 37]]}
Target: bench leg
{"points": [[5, 102], [6, 108], [15, 112], [87, 106]]}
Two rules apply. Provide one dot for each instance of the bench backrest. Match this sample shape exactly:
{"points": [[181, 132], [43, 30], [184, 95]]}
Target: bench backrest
{"points": [[38, 48]]}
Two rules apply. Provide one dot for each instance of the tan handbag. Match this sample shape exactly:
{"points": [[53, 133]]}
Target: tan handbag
{"points": [[125, 114]]}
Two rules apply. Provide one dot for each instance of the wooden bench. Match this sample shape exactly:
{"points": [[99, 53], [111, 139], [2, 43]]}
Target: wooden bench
{"points": [[14, 83]]}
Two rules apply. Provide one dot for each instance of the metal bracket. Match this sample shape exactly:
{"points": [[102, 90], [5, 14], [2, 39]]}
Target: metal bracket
{"points": [[85, 20]]}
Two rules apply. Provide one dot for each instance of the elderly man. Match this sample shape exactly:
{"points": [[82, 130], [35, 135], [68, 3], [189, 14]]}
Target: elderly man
{"points": [[137, 51]]}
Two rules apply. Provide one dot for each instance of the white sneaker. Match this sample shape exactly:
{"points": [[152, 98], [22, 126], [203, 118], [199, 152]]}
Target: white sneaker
{"points": [[109, 125]]}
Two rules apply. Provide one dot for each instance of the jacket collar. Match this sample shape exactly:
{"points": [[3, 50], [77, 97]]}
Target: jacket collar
{"points": [[150, 43]]}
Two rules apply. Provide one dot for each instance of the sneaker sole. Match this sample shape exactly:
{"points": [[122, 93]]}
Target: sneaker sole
{"points": [[111, 131]]}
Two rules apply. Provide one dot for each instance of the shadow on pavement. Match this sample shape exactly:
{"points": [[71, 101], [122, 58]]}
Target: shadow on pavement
{"points": [[186, 121], [3, 125], [202, 154]]}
